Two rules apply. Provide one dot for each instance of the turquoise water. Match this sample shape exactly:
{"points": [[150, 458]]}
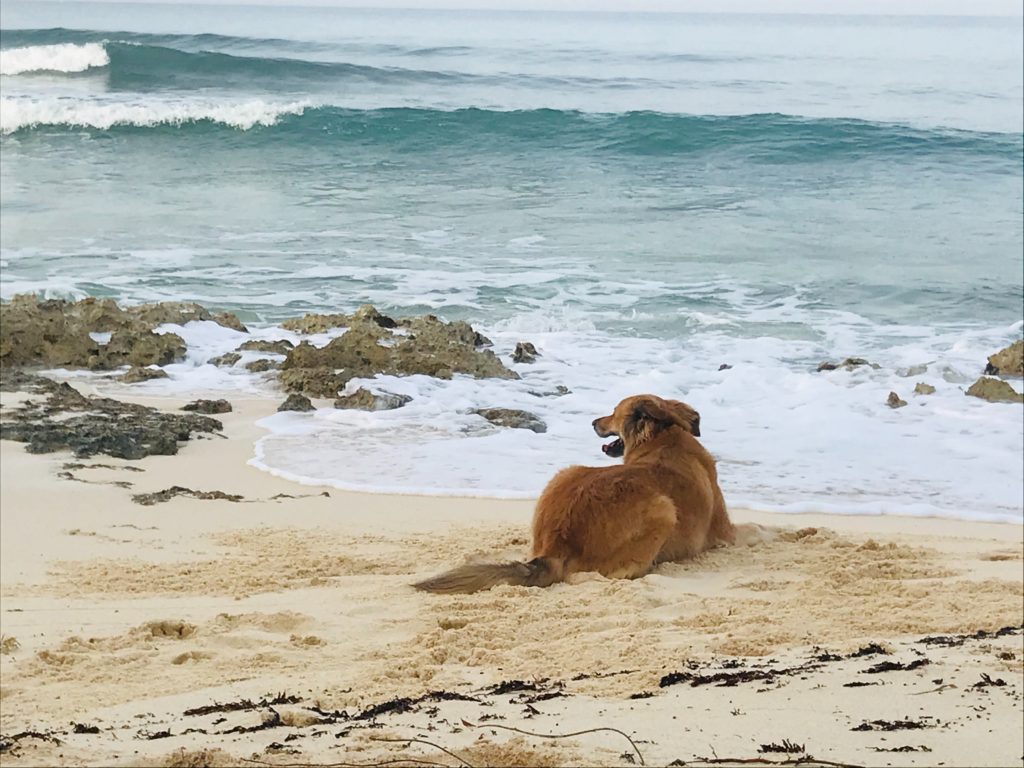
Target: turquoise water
{"points": [[773, 190]]}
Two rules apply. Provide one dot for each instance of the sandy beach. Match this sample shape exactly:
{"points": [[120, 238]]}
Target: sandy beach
{"points": [[280, 628]]}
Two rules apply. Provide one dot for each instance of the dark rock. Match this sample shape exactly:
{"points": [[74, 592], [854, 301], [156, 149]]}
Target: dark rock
{"points": [[136, 374], [208, 406], [525, 352], [365, 400], [66, 419], [894, 401], [296, 403], [923, 389], [726, 367], [995, 391], [262, 365], [511, 417], [278, 347], [848, 363], [1008, 361], [226, 360]]}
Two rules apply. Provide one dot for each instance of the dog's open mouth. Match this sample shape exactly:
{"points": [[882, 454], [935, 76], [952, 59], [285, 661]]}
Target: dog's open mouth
{"points": [[615, 448]]}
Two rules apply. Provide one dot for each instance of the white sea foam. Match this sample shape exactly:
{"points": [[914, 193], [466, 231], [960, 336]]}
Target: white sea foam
{"points": [[64, 57], [17, 112]]}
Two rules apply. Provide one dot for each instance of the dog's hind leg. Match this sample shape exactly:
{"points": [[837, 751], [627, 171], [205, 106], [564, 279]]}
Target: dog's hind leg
{"points": [[635, 556]]}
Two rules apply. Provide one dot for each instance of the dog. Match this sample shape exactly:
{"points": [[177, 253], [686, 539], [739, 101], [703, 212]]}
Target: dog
{"points": [[661, 504]]}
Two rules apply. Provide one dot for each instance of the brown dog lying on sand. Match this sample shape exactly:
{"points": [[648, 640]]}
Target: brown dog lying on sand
{"points": [[662, 503]]}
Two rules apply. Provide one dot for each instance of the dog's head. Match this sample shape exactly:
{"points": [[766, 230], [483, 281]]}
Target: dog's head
{"points": [[637, 419]]}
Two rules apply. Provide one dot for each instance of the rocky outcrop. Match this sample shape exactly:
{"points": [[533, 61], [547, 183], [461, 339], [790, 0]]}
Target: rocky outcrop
{"points": [[365, 400], [137, 374], [68, 420], [512, 417], [525, 352], [296, 403], [58, 333], [179, 313], [317, 323], [923, 389], [1008, 361], [208, 406], [420, 345], [895, 401], [278, 347], [995, 391]]}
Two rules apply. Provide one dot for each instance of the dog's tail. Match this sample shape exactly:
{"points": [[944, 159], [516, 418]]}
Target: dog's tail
{"points": [[539, 572]]}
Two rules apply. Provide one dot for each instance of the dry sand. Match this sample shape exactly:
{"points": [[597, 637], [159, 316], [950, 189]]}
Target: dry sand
{"points": [[124, 624]]}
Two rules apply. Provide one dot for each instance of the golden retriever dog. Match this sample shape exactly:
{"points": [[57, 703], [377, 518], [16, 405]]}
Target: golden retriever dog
{"points": [[661, 504]]}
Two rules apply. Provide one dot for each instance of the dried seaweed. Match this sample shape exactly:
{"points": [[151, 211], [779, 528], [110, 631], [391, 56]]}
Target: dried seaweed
{"points": [[895, 666], [243, 705]]}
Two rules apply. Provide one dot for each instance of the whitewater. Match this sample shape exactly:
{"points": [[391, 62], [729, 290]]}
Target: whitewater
{"points": [[704, 207]]}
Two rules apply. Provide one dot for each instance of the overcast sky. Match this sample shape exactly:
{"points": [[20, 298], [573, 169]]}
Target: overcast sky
{"points": [[901, 7]]}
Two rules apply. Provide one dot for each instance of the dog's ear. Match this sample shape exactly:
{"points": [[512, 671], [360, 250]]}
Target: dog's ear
{"points": [[685, 416], [648, 417]]}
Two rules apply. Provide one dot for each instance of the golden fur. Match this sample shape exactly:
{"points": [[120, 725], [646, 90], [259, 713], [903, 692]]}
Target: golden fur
{"points": [[662, 503]]}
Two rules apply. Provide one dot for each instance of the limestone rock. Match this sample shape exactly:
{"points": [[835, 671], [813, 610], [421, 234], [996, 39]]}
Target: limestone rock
{"points": [[894, 401], [995, 391], [365, 400], [1008, 361], [296, 403], [262, 365], [512, 417], [229, 320], [428, 346], [318, 323], [525, 352], [923, 389], [56, 333], [278, 347], [136, 374], [315, 382], [208, 406], [226, 360]]}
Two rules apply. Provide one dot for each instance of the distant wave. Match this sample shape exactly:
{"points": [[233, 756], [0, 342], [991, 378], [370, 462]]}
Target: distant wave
{"points": [[771, 138], [59, 57]]}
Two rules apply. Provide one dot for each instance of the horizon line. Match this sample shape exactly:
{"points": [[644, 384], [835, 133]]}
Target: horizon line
{"points": [[360, 6]]}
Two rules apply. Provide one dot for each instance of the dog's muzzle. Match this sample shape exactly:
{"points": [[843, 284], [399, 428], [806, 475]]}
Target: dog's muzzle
{"points": [[616, 447]]}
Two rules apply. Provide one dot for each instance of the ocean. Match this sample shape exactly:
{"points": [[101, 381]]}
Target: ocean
{"points": [[645, 197]]}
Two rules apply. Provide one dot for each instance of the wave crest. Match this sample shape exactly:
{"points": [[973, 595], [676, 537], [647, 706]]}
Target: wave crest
{"points": [[62, 57], [17, 113]]}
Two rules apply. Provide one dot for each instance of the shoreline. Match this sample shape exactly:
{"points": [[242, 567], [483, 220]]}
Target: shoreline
{"points": [[127, 617]]}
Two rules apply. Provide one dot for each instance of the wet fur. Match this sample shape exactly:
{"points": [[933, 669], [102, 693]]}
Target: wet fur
{"points": [[661, 504]]}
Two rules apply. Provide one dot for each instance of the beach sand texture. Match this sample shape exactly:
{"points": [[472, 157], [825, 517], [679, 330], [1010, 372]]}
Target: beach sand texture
{"points": [[281, 628]]}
